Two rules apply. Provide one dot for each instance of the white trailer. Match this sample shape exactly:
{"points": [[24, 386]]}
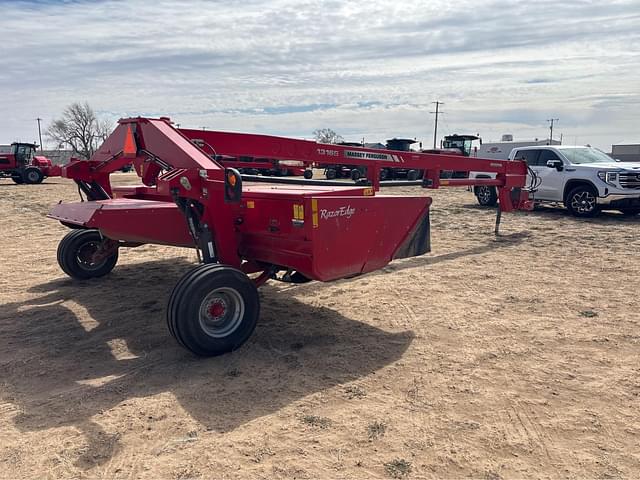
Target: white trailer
{"points": [[501, 150]]}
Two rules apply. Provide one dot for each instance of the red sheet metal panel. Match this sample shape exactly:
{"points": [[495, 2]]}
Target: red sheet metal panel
{"points": [[130, 220], [327, 237], [360, 234]]}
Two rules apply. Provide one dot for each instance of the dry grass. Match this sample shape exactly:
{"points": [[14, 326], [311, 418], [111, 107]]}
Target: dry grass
{"points": [[514, 357]]}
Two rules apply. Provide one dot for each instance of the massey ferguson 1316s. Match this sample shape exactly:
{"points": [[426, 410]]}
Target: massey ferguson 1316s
{"points": [[293, 231], [21, 164]]}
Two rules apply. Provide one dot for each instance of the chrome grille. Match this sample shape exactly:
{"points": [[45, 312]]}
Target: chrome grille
{"points": [[630, 180]]}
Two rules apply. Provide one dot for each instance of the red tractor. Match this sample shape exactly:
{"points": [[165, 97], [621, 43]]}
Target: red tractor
{"points": [[22, 165]]}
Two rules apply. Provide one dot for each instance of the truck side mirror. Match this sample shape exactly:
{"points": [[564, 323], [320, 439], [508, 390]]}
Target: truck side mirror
{"points": [[557, 164]]}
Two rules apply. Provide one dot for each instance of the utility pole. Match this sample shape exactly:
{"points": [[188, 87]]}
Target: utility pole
{"points": [[39, 133], [551, 120], [435, 128]]}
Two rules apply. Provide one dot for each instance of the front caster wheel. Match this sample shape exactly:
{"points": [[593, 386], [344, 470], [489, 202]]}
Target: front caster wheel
{"points": [[84, 254], [213, 310]]}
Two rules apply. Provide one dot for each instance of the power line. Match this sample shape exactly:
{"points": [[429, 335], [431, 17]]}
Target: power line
{"points": [[435, 127], [551, 120], [39, 133]]}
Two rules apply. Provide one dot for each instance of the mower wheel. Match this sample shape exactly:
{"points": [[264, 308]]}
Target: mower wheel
{"points": [[330, 173], [75, 253], [308, 174], [32, 175], [213, 309]]}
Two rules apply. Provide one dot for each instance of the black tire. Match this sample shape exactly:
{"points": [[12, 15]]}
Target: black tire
{"points": [[487, 196], [355, 174], [582, 202], [308, 174], [330, 174], [630, 212], [32, 175], [73, 250], [384, 174], [213, 310], [17, 179], [412, 175]]}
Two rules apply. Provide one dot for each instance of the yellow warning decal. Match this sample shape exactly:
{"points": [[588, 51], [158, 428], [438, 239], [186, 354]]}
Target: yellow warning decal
{"points": [[298, 212], [251, 204], [368, 192], [444, 182], [314, 212]]}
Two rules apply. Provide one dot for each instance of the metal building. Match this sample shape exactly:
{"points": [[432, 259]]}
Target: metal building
{"points": [[629, 152]]}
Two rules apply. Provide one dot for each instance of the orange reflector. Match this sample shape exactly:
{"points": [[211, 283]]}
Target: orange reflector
{"points": [[129, 149], [232, 179]]}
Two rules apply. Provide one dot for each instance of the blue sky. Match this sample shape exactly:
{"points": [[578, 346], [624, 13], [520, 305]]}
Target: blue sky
{"points": [[366, 69]]}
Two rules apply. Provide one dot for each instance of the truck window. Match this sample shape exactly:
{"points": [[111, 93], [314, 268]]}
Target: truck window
{"points": [[529, 156], [547, 155]]}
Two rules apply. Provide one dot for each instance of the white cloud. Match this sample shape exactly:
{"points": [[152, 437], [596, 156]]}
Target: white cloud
{"points": [[362, 68]]}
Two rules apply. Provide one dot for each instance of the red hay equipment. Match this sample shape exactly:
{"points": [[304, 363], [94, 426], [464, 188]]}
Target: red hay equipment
{"points": [[290, 232]]}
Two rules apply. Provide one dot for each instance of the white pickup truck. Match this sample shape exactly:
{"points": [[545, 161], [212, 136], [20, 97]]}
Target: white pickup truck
{"points": [[583, 179]]}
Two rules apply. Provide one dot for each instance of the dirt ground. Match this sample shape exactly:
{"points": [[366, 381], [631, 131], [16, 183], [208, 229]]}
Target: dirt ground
{"points": [[509, 357]]}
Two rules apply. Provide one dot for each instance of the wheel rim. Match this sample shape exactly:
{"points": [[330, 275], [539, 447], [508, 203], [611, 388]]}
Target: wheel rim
{"points": [[484, 194], [85, 256], [221, 312], [583, 202], [33, 176]]}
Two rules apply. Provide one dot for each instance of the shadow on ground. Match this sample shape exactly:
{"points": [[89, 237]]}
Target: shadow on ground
{"points": [[551, 212], [79, 349]]}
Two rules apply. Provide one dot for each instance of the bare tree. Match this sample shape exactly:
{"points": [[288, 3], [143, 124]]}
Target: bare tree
{"points": [[326, 135], [80, 128]]}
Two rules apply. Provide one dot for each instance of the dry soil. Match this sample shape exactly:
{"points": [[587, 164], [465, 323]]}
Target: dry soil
{"points": [[508, 357]]}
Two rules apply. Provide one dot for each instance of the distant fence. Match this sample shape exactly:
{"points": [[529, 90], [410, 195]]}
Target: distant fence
{"points": [[58, 157]]}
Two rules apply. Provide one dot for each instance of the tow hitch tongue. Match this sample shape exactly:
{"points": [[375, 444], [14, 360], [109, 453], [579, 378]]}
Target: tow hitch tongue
{"points": [[309, 231]]}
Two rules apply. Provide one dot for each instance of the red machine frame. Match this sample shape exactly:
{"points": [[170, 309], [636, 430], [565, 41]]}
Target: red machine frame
{"points": [[244, 163], [293, 233]]}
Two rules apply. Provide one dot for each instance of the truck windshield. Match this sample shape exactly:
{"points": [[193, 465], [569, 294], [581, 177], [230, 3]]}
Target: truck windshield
{"points": [[586, 155]]}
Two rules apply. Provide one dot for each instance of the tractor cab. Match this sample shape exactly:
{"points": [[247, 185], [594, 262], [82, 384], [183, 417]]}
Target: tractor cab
{"points": [[464, 143], [23, 153], [400, 144]]}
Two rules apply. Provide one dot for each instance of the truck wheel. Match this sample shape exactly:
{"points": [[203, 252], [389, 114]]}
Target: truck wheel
{"points": [[330, 173], [630, 212], [75, 255], [213, 310], [487, 196], [308, 174], [32, 175], [582, 202]]}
